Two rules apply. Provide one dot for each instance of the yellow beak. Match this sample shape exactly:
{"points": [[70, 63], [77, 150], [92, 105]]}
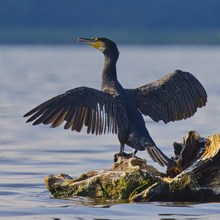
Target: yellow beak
{"points": [[94, 42]]}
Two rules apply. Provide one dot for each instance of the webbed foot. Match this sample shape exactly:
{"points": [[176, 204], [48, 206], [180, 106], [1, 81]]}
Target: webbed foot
{"points": [[125, 155]]}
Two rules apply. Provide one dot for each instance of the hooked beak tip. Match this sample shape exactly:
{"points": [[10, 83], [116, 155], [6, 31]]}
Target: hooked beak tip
{"points": [[84, 40]]}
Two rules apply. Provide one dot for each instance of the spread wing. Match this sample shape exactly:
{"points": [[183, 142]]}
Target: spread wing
{"points": [[174, 97], [83, 106]]}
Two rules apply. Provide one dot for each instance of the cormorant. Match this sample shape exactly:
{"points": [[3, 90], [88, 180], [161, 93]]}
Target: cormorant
{"points": [[114, 109]]}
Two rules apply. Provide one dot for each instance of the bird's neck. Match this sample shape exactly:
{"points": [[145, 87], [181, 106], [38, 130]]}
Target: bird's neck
{"points": [[109, 74]]}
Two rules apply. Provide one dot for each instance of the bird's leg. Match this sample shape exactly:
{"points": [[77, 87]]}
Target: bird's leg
{"points": [[134, 153], [123, 154], [122, 149]]}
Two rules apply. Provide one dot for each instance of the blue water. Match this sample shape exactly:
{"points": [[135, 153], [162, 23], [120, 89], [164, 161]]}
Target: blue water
{"points": [[30, 75]]}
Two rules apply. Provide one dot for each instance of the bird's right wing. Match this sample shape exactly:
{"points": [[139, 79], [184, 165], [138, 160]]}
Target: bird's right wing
{"points": [[83, 106]]}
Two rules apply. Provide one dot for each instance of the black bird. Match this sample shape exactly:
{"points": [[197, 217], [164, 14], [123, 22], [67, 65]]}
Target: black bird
{"points": [[114, 109]]}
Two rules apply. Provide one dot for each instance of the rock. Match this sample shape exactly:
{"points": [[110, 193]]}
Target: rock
{"points": [[194, 176]]}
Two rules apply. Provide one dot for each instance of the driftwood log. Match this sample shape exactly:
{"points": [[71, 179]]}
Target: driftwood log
{"points": [[194, 176]]}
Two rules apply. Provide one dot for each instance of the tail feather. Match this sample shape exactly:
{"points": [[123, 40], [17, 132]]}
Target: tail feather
{"points": [[158, 156]]}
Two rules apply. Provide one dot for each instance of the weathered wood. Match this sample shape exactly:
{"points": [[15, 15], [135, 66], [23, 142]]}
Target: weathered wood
{"points": [[194, 176]]}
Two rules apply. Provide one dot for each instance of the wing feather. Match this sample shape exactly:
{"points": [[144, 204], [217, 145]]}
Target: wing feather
{"points": [[98, 111], [60, 119], [174, 97]]}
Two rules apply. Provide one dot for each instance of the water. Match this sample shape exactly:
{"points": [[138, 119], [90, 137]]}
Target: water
{"points": [[31, 74]]}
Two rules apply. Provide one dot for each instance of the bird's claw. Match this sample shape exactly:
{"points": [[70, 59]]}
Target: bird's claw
{"points": [[123, 154]]}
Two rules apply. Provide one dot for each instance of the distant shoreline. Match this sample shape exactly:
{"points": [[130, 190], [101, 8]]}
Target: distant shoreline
{"points": [[69, 36]]}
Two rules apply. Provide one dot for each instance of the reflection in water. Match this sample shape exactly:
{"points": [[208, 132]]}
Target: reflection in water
{"points": [[32, 74]]}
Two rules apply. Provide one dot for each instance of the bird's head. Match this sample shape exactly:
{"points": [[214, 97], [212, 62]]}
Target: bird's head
{"points": [[100, 43]]}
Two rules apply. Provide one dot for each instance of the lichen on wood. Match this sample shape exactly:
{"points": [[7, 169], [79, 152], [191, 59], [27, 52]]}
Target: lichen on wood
{"points": [[119, 182], [194, 176]]}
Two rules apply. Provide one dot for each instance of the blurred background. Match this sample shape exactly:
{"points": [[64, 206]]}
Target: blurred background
{"points": [[40, 58], [128, 22]]}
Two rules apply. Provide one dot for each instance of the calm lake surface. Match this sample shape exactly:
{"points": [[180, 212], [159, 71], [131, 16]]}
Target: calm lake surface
{"points": [[30, 75]]}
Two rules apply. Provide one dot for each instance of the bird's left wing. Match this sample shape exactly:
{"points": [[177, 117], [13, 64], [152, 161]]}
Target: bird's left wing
{"points": [[83, 106], [174, 97]]}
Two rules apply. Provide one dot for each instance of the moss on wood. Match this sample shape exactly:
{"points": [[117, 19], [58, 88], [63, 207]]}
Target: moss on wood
{"points": [[194, 176]]}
